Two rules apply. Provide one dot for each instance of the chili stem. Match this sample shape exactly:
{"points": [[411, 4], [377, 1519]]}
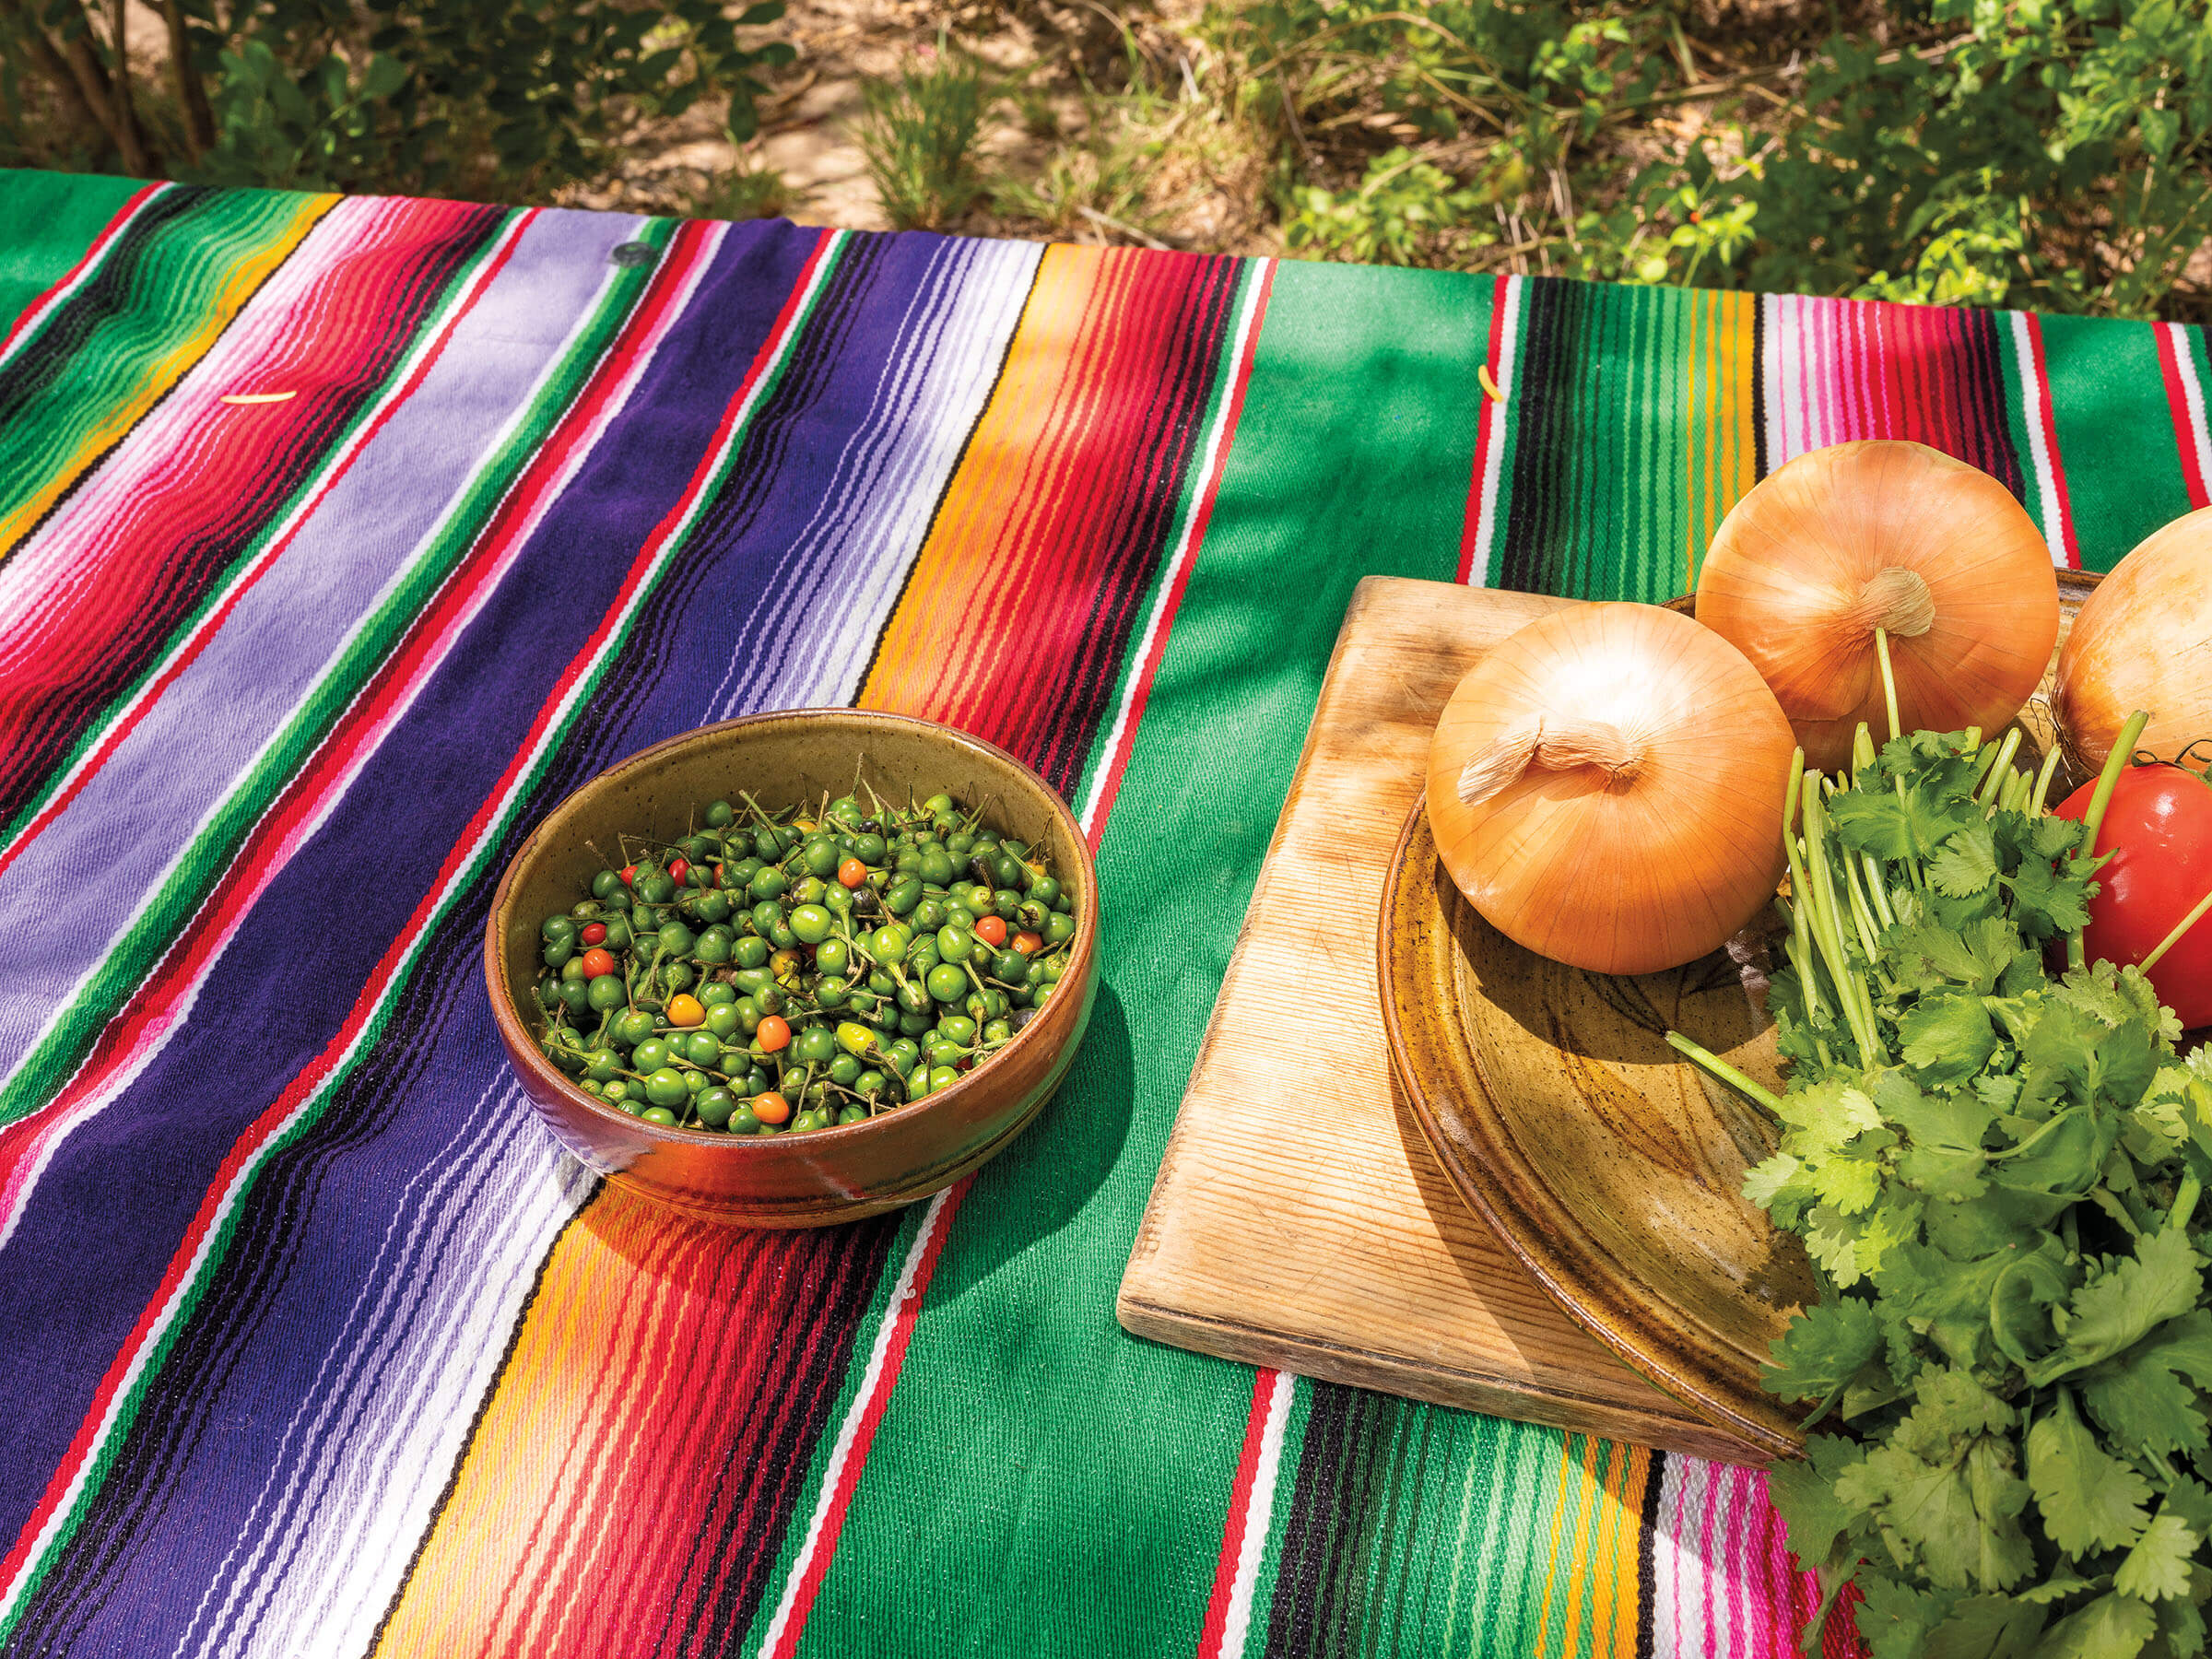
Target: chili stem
{"points": [[2173, 938], [1706, 1060], [2123, 749]]}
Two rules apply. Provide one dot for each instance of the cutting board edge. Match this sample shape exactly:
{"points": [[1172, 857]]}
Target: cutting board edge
{"points": [[1147, 1244], [1519, 1399]]}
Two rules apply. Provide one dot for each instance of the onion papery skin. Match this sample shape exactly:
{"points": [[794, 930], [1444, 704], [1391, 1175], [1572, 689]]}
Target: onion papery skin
{"points": [[1628, 871], [2142, 641], [1787, 578]]}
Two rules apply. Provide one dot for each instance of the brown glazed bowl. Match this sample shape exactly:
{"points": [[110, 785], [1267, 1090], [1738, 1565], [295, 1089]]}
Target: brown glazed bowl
{"points": [[827, 1175]]}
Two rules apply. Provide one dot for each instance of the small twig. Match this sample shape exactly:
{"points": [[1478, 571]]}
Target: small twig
{"points": [[1107, 222]]}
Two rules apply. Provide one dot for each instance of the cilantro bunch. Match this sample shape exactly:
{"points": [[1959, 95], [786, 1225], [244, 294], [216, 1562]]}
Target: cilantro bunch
{"points": [[1995, 1167]]}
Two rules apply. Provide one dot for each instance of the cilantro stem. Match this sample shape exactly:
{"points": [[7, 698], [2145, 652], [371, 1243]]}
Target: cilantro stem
{"points": [[1789, 801], [2184, 1202], [1862, 913], [1985, 756], [1851, 989], [1719, 1068], [1862, 751], [2000, 775], [2047, 771], [2123, 749], [1875, 890], [1881, 650], [2035, 1134], [1801, 929], [2173, 938]]}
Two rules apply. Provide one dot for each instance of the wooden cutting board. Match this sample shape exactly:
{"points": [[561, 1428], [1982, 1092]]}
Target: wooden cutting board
{"points": [[1299, 1219]]}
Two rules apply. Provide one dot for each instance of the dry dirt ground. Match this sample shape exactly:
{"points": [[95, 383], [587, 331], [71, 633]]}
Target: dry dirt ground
{"points": [[1043, 131]]}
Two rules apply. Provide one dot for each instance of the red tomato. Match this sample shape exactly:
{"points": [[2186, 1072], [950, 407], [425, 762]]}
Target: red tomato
{"points": [[852, 873], [598, 963], [2158, 828], [595, 935], [678, 870], [773, 1034], [991, 930]]}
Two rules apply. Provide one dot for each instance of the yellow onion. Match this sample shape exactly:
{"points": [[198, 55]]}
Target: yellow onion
{"points": [[1883, 535], [2142, 641], [1606, 787]]}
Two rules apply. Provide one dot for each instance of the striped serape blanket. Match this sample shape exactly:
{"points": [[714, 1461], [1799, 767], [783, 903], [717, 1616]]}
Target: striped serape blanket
{"points": [[341, 538]]}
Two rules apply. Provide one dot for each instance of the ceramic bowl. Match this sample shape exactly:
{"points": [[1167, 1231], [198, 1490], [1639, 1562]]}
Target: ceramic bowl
{"points": [[827, 1175]]}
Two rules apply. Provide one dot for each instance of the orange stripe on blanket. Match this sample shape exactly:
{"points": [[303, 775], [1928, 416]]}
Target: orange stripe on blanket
{"points": [[1028, 588], [969, 560], [626, 1463]]}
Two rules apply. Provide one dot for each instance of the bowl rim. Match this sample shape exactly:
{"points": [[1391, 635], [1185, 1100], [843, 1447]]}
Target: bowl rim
{"points": [[522, 1044]]}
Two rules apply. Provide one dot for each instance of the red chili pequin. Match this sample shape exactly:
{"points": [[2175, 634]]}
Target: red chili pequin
{"points": [[595, 935]]}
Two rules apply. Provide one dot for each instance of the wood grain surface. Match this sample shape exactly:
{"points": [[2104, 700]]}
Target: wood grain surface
{"points": [[1344, 1254]]}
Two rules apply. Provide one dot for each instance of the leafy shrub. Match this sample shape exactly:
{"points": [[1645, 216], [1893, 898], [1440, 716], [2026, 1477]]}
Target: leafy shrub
{"points": [[2054, 153], [1399, 210], [435, 97], [2047, 154]]}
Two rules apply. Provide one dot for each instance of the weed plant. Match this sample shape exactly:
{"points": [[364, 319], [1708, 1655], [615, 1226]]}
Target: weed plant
{"points": [[919, 136]]}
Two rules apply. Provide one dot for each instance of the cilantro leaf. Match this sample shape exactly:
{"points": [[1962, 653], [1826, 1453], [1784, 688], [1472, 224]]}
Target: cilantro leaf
{"points": [[1897, 1619], [1804, 1495], [1826, 1117], [1987, 1626], [2137, 1399], [2088, 1500], [2161, 1281], [1823, 1350], [2157, 1566], [1966, 863], [2180, 1623], [2045, 903], [1944, 1157], [1948, 1037], [2112, 1627], [2053, 836]]}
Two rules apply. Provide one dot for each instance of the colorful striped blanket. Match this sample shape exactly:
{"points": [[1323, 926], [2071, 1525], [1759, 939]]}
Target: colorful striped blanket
{"points": [[341, 538]]}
